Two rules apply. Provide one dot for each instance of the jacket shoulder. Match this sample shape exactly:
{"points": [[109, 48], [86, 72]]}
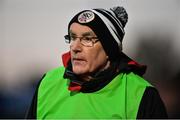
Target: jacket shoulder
{"points": [[52, 77], [55, 71], [135, 79]]}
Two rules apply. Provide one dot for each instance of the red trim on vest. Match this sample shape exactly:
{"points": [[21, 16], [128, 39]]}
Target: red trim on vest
{"points": [[133, 63], [74, 86], [65, 58]]}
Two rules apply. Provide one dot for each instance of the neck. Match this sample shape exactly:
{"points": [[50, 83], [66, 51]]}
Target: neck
{"points": [[88, 77]]}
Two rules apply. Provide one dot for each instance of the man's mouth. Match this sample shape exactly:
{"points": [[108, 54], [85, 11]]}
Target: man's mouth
{"points": [[78, 60]]}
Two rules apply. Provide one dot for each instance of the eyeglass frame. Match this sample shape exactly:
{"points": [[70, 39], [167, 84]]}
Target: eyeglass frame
{"points": [[68, 39]]}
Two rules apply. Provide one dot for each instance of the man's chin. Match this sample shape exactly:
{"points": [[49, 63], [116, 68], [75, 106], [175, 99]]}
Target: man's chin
{"points": [[79, 71]]}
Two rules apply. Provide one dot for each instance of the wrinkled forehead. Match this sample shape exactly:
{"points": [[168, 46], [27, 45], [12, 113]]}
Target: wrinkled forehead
{"points": [[80, 30]]}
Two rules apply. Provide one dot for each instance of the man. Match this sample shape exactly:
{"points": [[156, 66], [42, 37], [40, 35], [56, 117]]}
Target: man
{"points": [[98, 80]]}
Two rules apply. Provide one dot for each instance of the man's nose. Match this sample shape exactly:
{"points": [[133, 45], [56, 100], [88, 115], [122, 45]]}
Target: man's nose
{"points": [[76, 46]]}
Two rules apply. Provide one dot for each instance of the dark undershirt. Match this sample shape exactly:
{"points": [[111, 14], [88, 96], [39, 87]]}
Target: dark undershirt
{"points": [[151, 105]]}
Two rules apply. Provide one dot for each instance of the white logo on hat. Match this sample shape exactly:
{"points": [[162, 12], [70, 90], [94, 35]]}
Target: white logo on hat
{"points": [[86, 17]]}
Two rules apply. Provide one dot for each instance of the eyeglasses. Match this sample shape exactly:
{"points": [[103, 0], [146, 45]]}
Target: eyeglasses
{"points": [[86, 41]]}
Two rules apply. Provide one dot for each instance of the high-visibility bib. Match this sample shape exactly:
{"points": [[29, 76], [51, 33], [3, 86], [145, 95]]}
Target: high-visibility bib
{"points": [[119, 99]]}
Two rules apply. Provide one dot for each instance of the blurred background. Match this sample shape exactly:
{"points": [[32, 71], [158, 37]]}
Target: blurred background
{"points": [[31, 43]]}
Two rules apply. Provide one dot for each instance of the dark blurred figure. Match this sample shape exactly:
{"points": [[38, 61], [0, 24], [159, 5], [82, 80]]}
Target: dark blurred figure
{"points": [[156, 50], [14, 104]]}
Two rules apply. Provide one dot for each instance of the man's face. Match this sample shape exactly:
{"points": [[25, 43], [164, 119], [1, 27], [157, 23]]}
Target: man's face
{"points": [[86, 60]]}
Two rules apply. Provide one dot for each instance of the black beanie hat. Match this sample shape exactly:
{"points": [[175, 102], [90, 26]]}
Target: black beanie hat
{"points": [[108, 25]]}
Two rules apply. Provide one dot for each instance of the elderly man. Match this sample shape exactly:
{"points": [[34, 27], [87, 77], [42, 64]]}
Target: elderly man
{"points": [[98, 80]]}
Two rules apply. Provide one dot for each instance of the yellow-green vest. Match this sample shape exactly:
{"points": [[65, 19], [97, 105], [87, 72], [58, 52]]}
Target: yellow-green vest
{"points": [[120, 99]]}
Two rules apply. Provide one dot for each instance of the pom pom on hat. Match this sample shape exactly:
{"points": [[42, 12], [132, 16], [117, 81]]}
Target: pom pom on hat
{"points": [[121, 14]]}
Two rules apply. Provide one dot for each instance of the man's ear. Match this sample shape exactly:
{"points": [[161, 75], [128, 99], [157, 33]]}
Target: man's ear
{"points": [[107, 57]]}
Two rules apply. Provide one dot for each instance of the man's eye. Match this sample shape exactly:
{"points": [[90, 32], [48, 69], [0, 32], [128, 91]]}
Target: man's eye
{"points": [[87, 39]]}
